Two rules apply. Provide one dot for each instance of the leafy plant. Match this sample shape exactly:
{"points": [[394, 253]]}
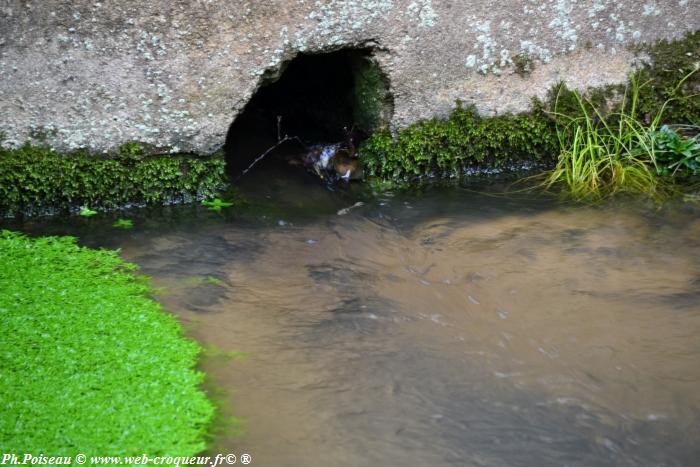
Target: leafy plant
{"points": [[216, 204], [90, 364], [87, 212], [676, 155], [123, 224]]}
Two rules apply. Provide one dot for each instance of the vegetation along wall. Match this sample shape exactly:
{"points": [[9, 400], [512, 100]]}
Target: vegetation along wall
{"points": [[174, 74]]}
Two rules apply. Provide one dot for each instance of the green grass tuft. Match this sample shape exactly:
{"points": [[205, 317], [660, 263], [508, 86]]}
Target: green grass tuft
{"points": [[618, 152], [89, 363]]}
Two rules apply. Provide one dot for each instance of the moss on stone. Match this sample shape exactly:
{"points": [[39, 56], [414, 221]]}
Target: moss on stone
{"points": [[465, 140], [371, 104], [38, 180], [669, 62], [670, 78], [523, 64]]}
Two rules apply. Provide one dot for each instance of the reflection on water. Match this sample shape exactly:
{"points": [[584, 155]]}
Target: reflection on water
{"points": [[441, 329]]}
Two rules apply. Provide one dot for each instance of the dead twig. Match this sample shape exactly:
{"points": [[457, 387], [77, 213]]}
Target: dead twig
{"points": [[269, 150]]}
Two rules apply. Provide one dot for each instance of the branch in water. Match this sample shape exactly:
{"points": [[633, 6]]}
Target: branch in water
{"points": [[269, 150]]}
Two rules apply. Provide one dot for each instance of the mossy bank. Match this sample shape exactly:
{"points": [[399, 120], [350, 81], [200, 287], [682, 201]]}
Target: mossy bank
{"points": [[38, 180]]}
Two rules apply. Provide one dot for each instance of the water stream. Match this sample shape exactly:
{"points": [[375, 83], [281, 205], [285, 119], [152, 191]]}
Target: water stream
{"points": [[445, 327]]}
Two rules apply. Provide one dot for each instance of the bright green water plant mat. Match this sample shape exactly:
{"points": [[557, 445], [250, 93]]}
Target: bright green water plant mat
{"points": [[89, 363]]}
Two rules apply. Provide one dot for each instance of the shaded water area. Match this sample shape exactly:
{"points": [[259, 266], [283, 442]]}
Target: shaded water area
{"points": [[451, 326]]}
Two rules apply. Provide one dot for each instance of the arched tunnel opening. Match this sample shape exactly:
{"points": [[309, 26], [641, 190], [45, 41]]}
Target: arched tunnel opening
{"points": [[335, 98]]}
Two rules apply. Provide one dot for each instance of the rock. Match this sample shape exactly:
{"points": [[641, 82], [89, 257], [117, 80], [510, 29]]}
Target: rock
{"points": [[175, 73]]}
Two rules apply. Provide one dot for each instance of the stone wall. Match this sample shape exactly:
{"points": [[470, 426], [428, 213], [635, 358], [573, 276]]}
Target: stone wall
{"points": [[175, 73]]}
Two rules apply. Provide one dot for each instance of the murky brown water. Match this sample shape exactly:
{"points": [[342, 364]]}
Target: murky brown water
{"points": [[446, 328]]}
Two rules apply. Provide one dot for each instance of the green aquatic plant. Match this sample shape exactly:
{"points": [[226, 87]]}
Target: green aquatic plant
{"points": [[213, 351], [123, 224], [217, 204], [90, 363], [197, 281], [211, 280], [86, 212]]}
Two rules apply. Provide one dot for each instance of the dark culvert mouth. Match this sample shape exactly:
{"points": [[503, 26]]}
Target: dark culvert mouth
{"points": [[325, 98]]}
